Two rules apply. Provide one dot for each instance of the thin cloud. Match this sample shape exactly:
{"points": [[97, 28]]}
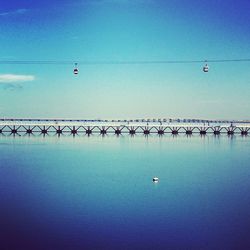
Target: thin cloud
{"points": [[103, 2], [12, 78], [122, 1], [14, 12]]}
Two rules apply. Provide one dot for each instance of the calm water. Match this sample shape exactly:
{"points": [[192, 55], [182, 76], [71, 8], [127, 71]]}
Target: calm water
{"points": [[97, 193]]}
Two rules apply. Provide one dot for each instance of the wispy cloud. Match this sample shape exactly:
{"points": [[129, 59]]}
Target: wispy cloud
{"points": [[12, 78], [114, 1], [13, 12], [103, 2]]}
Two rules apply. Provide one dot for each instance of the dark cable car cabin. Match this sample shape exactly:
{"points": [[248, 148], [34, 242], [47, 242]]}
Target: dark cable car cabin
{"points": [[75, 69], [205, 68]]}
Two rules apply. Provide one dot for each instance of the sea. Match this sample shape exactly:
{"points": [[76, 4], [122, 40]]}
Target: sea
{"points": [[96, 192]]}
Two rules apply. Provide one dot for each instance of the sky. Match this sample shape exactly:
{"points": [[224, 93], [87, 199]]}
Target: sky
{"points": [[125, 30]]}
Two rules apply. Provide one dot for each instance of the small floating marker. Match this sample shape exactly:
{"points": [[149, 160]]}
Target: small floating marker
{"points": [[155, 179], [205, 68], [76, 69]]}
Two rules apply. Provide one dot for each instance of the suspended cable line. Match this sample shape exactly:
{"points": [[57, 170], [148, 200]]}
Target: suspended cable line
{"points": [[113, 62]]}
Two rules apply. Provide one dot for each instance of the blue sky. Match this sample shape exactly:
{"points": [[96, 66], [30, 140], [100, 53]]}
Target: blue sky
{"points": [[125, 30]]}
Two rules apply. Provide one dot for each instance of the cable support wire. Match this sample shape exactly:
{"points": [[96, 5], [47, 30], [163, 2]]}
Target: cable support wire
{"points": [[110, 62]]}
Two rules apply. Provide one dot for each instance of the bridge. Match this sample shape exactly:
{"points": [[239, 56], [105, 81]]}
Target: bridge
{"points": [[119, 127]]}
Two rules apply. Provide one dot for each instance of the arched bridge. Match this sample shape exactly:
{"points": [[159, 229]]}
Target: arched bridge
{"points": [[89, 127]]}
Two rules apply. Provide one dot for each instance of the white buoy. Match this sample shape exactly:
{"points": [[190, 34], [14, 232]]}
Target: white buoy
{"points": [[155, 179], [76, 69], [205, 68]]}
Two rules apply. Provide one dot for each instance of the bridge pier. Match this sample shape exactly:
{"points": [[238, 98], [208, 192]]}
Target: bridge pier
{"points": [[230, 132], [244, 132], [59, 131], [88, 131], [118, 131], [74, 131], [103, 131], [160, 132], [175, 132], [29, 131], [203, 132], [14, 130], [132, 132]]}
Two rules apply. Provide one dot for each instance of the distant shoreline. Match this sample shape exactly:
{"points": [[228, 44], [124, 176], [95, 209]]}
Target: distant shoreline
{"points": [[159, 120]]}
